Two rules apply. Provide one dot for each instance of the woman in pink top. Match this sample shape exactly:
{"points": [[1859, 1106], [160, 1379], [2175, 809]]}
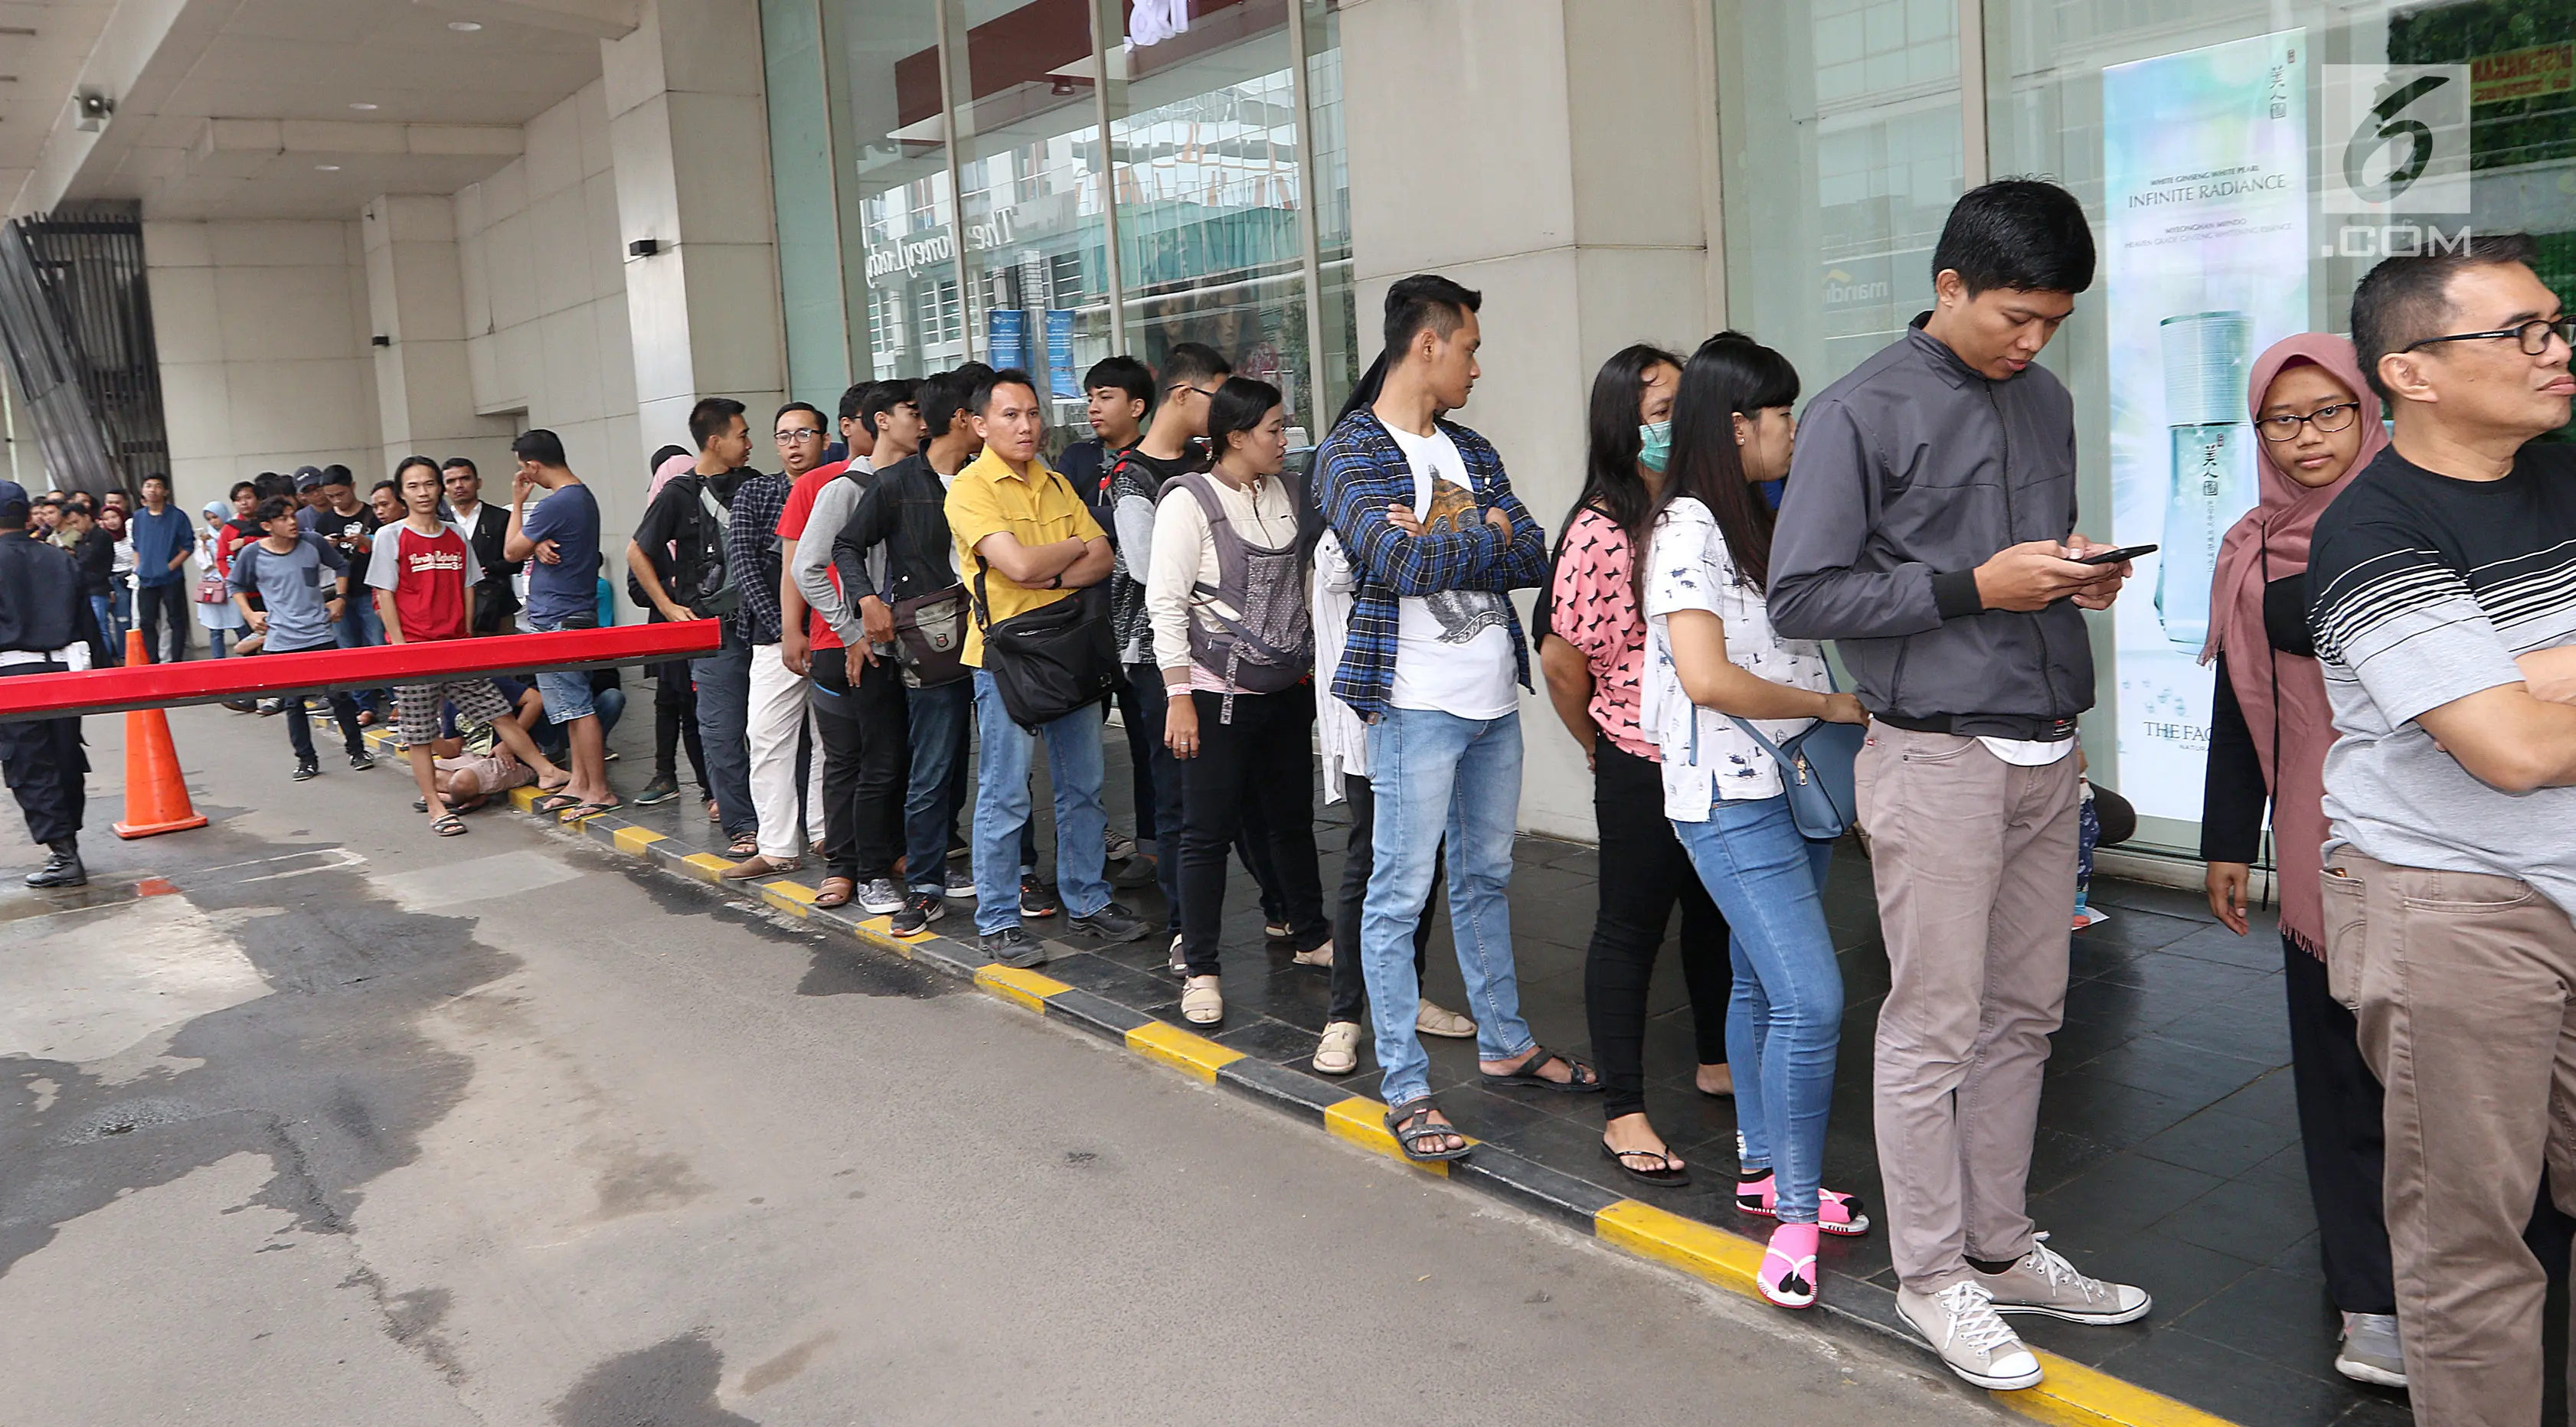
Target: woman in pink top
{"points": [[1592, 647]]}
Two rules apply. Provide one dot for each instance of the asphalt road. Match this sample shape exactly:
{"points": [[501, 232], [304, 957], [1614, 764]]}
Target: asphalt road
{"points": [[362, 1126]]}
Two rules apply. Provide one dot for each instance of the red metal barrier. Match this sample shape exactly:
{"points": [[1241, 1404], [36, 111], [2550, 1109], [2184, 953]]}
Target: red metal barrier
{"points": [[203, 681]]}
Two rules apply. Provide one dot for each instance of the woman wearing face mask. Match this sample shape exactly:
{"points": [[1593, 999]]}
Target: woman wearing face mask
{"points": [[1592, 647], [1713, 666], [2319, 424]]}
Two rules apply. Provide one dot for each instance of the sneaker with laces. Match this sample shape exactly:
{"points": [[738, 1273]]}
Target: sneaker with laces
{"points": [[1961, 1324], [1111, 923], [1035, 899], [1012, 946], [2042, 1281], [1118, 846], [878, 896], [662, 789], [919, 910], [959, 885], [361, 761], [2371, 1350], [306, 768]]}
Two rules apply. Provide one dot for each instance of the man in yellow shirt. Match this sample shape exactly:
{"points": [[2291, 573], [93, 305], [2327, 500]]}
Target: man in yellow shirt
{"points": [[1023, 529]]}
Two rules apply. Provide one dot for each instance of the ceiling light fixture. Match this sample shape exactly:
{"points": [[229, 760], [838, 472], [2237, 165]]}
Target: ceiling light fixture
{"points": [[362, 104], [326, 168], [464, 27]]}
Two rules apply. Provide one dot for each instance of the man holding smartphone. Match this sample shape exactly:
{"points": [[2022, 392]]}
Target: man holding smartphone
{"points": [[1928, 527]]}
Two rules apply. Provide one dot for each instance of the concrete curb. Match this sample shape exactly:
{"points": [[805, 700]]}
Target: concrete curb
{"points": [[2072, 1394]]}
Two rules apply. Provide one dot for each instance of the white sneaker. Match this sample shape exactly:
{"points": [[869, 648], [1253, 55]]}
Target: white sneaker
{"points": [[2043, 1282], [1338, 1053], [2371, 1350], [1961, 1325]]}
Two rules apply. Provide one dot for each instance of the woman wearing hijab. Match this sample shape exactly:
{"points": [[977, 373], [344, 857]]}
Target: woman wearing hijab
{"points": [[2319, 425]]}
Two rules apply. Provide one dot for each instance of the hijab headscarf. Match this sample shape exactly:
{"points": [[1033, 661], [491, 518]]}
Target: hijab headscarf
{"points": [[2284, 695]]}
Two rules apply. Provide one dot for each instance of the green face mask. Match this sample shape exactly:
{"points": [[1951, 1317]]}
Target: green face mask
{"points": [[1655, 444]]}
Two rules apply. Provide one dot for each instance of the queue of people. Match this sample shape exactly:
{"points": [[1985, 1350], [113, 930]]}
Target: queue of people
{"points": [[2393, 688]]}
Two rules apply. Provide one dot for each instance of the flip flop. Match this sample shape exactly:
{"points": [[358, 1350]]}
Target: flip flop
{"points": [[554, 803], [590, 810], [1539, 1056], [1668, 1176]]}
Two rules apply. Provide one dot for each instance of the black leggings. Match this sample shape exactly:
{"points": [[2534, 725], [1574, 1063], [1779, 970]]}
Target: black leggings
{"points": [[1643, 872], [1263, 759], [1350, 982]]}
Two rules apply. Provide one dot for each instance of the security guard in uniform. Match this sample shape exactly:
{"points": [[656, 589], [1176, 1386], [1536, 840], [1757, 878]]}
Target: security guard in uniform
{"points": [[41, 613]]}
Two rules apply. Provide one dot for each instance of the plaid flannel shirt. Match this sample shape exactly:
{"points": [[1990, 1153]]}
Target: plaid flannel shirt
{"points": [[751, 549], [1359, 472]]}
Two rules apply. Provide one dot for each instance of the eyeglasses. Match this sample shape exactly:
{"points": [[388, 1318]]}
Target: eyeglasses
{"points": [[2285, 427], [2534, 335], [1185, 386], [800, 433]]}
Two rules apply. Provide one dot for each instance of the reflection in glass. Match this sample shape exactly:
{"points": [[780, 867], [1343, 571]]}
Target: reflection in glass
{"points": [[886, 91], [1340, 363], [1028, 140], [1847, 127], [1203, 137]]}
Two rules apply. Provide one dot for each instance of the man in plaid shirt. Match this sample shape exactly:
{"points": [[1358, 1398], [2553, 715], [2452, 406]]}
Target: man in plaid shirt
{"points": [[779, 707], [1435, 663]]}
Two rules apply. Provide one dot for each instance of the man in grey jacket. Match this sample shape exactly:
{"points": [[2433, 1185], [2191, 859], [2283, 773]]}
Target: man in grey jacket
{"points": [[1929, 529]]}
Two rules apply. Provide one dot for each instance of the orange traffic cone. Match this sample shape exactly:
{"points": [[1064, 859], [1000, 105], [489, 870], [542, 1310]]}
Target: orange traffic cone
{"points": [[156, 794]]}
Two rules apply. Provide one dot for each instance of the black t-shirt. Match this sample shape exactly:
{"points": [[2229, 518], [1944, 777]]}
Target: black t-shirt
{"points": [[95, 553], [353, 535], [675, 515]]}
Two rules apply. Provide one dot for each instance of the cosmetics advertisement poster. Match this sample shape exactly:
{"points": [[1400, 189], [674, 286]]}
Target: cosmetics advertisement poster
{"points": [[2205, 199]]}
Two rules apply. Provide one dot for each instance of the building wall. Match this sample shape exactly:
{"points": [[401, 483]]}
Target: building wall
{"points": [[544, 287], [265, 360]]}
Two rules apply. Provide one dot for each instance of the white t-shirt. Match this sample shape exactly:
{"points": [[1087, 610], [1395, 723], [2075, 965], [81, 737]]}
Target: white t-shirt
{"points": [[1453, 650], [1705, 756]]}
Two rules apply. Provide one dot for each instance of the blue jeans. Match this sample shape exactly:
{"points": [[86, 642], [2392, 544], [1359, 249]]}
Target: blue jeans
{"points": [[103, 610], [360, 627], [1432, 773], [723, 680], [1785, 1021], [1002, 808], [936, 785], [609, 705]]}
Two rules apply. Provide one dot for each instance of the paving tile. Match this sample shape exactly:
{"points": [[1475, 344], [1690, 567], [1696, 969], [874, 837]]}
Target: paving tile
{"points": [[2283, 1318], [2239, 1386]]}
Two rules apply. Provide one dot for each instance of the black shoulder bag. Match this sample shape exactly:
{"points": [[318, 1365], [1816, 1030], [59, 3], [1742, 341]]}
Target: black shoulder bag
{"points": [[1049, 661]]}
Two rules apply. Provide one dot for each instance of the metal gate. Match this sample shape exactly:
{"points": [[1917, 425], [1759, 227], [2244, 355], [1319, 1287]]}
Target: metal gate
{"points": [[76, 320]]}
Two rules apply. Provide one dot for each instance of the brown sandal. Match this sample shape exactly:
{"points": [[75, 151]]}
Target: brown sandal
{"points": [[835, 892]]}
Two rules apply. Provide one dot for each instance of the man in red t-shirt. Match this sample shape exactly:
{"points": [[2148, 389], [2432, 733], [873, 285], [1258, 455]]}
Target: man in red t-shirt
{"points": [[423, 574]]}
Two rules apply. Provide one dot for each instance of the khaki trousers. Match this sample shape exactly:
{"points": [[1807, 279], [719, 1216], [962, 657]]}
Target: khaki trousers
{"points": [[2463, 987], [1974, 859]]}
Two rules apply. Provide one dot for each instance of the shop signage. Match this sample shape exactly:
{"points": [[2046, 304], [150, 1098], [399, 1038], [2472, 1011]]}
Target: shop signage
{"points": [[2522, 74], [2205, 199], [910, 254]]}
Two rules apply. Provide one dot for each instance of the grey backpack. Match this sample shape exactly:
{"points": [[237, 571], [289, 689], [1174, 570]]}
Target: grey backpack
{"points": [[1269, 644]]}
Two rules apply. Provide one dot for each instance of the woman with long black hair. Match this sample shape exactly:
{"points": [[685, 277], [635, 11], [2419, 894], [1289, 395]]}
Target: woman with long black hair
{"points": [[1591, 635], [1716, 675]]}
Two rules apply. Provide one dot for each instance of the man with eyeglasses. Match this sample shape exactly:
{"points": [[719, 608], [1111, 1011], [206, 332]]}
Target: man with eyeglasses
{"points": [[2444, 582], [780, 708]]}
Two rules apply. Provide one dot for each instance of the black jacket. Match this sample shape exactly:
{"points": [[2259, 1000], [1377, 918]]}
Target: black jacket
{"points": [[95, 553], [41, 609], [495, 600], [906, 510]]}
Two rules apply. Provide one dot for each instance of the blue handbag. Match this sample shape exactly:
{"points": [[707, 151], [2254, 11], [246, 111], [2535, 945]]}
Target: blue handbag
{"points": [[1816, 772]]}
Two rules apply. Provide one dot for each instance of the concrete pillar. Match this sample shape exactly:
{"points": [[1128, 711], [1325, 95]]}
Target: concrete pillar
{"points": [[416, 307], [689, 130], [1603, 112]]}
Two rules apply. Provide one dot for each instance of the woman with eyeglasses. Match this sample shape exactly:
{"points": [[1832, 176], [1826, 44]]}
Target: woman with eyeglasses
{"points": [[2319, 425]]}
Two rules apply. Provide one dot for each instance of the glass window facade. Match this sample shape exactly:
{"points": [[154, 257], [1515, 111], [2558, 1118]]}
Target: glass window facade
{"points": [[1042, 183], [2243, 166]]}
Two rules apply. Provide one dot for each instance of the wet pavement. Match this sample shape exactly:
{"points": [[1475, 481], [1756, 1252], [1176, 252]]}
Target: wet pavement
{"points": [[2168, 1153]]}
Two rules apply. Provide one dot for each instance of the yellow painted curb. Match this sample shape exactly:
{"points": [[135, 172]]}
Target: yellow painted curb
{"points": [[525, 799], [1701, 1250], [879, 932], [1190, 1054], [635, 839], [794, 898], [2074, 1395], [1027, 988], [1362, 1121], [705, 866]]}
